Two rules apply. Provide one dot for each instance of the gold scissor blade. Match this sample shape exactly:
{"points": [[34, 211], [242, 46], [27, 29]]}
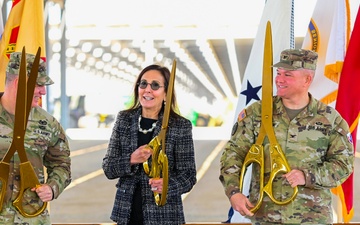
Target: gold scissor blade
{"points": [[20, 105], [169, 94], [267, 86], [267, 82], [25, 94], [32, 83]]}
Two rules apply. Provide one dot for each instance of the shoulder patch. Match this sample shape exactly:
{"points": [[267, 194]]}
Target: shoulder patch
{"points": [[241, 115], [234, 129], [349, 137]]}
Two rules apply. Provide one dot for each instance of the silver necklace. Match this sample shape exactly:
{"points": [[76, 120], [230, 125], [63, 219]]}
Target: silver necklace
{"points": [[148, 130]]}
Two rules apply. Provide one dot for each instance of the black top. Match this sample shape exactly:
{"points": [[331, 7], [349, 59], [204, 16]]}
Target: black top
{"points": [[136, 216], [145, 124]]}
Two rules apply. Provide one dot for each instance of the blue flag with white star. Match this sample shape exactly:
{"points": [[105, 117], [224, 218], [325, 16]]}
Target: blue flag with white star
{"points": [[279, 15]]}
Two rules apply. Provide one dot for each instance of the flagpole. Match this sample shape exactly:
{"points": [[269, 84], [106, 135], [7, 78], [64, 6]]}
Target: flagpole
{"points": [[292, 38], [339, 210]]}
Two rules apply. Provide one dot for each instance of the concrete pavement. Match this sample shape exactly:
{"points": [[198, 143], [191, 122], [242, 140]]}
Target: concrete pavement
{"points": [[90, 201]]}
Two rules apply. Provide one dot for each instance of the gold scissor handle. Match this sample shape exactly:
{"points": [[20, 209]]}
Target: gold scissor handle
{"points": [[4, 177], [155, 145], [160, 200], [279, 165], [159, 168], [28, 180], [255, 155]]}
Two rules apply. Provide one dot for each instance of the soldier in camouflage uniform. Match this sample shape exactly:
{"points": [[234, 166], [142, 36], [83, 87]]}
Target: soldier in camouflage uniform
{"points": [[314, 138], [46, 145]]}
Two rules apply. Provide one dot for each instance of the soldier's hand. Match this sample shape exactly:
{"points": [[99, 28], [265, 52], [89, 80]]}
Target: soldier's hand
{"points": [[295, 178], [44, 192], [241, 203]]}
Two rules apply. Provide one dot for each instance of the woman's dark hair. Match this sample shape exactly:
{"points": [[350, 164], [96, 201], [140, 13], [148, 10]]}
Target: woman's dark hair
{"points": [[166, 75]]}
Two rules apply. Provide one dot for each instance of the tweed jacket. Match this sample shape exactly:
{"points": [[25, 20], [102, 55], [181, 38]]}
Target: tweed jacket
{"points": [[182, 170]]}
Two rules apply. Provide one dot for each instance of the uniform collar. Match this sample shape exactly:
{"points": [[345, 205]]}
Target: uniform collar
{"points": [[310, 109]]}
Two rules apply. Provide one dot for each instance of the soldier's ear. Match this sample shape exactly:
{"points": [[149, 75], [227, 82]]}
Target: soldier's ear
{"points": [[15, 81], [308, 79]]}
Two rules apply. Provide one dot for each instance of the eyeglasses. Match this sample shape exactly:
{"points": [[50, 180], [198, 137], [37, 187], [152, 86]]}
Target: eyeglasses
{"points": [[154, 85]]}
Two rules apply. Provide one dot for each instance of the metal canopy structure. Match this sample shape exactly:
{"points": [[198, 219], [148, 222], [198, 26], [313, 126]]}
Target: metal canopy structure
{"points": [[211, 41]]}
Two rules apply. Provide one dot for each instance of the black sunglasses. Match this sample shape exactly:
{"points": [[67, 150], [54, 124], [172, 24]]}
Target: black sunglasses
{"points": [[154, 85]]}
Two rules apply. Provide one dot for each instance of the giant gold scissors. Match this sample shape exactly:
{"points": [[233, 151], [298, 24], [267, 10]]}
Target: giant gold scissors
{"points": [[159, 162], [24, 97], [278, 162]]}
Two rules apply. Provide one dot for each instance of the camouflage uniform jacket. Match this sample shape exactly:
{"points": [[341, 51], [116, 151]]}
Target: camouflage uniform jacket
{"points": [[316, 142], [45, 145]]}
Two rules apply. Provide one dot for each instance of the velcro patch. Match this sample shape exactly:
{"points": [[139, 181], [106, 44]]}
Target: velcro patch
{"points": [[349, 137], [241, 115], [234, 129]]}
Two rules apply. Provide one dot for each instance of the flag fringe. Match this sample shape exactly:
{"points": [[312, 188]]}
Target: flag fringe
{"points": [[332, 71], [329, 98]]}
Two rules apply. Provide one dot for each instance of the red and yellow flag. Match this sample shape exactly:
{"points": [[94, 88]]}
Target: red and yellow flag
{"points": [[348, 105], [24, 27], [337, 77]]}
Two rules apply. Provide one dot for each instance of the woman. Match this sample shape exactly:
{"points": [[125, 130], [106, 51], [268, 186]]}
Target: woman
{"points": [[133, 130]]}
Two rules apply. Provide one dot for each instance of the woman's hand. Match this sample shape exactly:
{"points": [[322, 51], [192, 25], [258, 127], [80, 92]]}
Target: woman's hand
{"points": [[156, 184], [140, 155]]}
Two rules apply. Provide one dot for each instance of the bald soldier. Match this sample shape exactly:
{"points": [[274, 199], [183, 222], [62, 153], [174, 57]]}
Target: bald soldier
{"points": [[314, 138], [45, 144]]}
